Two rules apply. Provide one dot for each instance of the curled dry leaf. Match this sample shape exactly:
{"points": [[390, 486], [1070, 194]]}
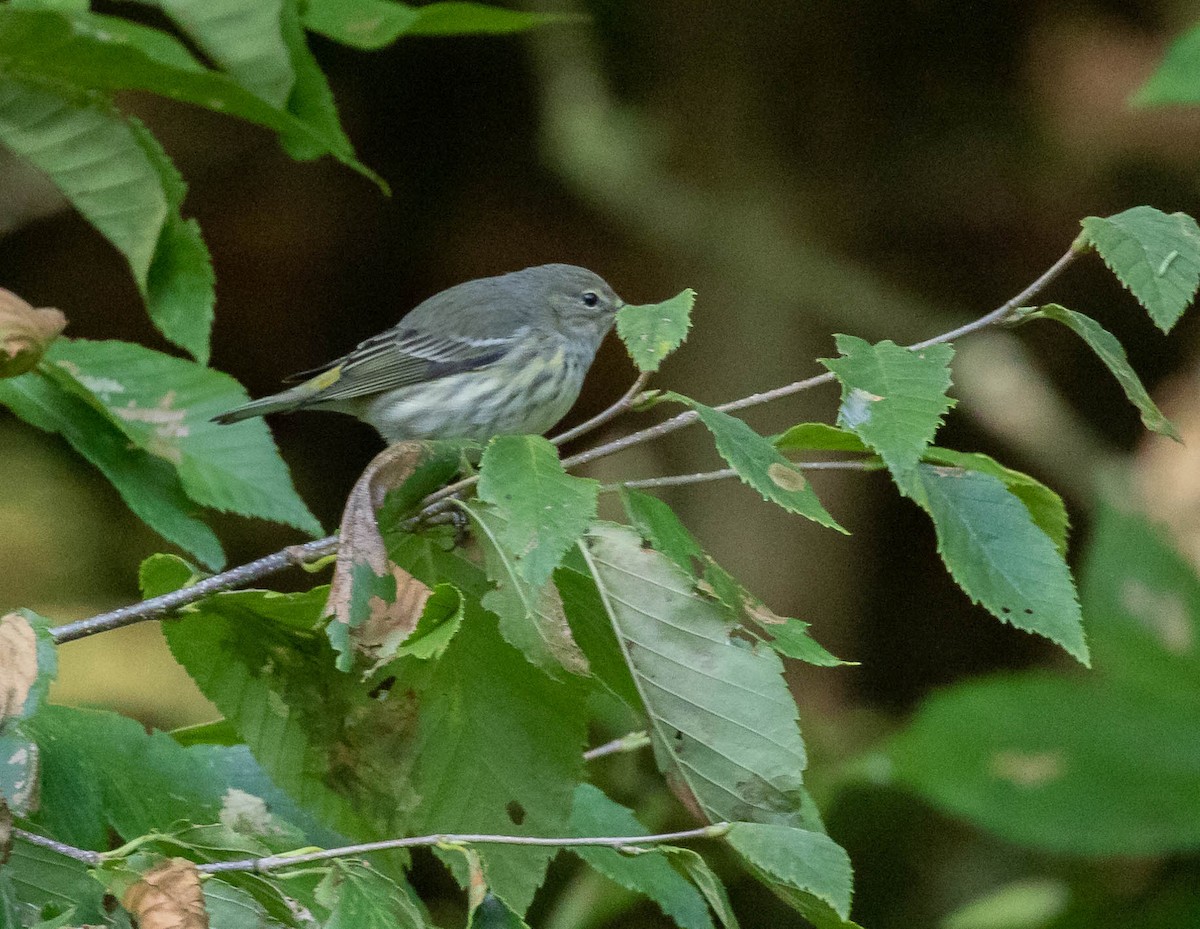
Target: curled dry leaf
{"points": [[168, 897], [389, 618], [25, 333], [6, 827], [18, 663]]}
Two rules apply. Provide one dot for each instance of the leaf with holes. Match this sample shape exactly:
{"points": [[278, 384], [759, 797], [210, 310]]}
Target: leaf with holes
{"points": [[722, 721], [893, 399], [1154, 254], [1000, 557], [1112, 353]]}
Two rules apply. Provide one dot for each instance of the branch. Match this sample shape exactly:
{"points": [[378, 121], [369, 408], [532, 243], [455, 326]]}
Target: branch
{"points": [[996, 316], [630, 742], [157, 607], [703, 477], [612, 412], [272, 862], [79, 854]]}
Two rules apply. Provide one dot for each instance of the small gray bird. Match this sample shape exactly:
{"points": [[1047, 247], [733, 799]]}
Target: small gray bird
{"points": [[496, 356]]}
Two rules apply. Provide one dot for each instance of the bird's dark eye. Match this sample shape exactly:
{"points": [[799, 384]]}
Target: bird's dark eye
{"points": [[590, 299]]}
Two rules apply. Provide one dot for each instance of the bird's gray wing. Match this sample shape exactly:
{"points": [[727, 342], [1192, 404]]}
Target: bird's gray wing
{"points": [[401, 357]]}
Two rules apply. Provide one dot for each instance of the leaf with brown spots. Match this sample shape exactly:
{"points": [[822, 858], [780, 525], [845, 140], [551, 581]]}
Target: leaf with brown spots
{"points": [[25, 333], [27, 663], [168, 897], [721, 719], [6, 826], [18, 664], [374, 603]]}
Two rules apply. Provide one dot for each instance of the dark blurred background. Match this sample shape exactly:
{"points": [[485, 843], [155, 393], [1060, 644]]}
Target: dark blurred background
{"points": [[886, 169]]}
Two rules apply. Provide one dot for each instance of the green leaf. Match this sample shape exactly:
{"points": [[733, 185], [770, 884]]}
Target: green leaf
{"points": [[1154, 254], [593, 631], [1072, 765], [493, 913], [653, 331], [893, 399], [359, 897], [232, 907], [1022, 904], [440, 620], [1142, 600], [812, 870], [657, 523], [121, 181], [72, 52], [138, 783], [1110, 351], [543, 510], [648, 872], [1046, 508], [164, 405], [500, 750], [1177, 79], [243, 39], [18, 771], [791, 639], [373, 24], [148, 484], [319, 733], [531, 617], [721, 718], [999, 556], [819, 437], [164, 574], [759, 464], [696, 869], [39, 877]]}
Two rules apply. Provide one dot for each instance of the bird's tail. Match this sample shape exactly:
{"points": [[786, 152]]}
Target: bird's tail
{"points": [[284, 402]]}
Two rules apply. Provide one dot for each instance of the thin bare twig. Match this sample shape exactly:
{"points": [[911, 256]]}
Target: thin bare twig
{"points": [[998, 315], [79, 854], [631, 742], [273, 862], [703, 477], [611, 413], [157, 607]]}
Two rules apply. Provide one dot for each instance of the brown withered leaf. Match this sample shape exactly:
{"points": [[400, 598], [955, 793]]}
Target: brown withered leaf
{"points": [[5, 831], [376, 599], [18, 663], [25, 333], [168, 897]]}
